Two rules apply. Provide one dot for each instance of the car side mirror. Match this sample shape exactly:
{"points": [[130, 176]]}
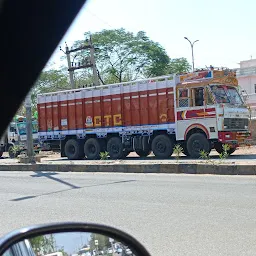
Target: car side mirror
{"points": [[70, 239]]}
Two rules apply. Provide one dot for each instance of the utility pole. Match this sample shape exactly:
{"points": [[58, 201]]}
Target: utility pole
{"points": [[71, 72], [86, 63], [192, 49], [94, 69], [30, 144]]}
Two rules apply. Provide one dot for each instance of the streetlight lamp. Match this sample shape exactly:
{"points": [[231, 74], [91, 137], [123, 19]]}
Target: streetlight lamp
{"points": [[192, 49]]}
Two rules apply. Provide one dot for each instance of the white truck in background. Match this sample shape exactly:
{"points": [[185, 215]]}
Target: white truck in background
{"points": [[14, 139]]}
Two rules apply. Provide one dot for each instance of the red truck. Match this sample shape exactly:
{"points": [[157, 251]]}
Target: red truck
{"points": [[200, 111]]}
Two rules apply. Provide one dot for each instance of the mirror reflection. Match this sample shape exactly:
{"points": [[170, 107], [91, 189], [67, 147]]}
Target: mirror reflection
{"points": [[69, 244]]}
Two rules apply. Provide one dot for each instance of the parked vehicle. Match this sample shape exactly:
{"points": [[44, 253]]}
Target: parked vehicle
{"points": [[22, 248], [201, 111], [14, 139]]}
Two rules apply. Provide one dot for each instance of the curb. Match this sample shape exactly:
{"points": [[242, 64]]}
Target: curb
{"points": [[222, 169]]}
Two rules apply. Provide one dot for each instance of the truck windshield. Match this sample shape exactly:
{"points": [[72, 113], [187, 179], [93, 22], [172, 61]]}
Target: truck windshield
{"points": [[226, 94], [22, 127]]}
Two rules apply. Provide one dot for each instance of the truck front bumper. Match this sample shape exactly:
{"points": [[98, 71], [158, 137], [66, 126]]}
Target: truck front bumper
{"points": [[235, 138]]}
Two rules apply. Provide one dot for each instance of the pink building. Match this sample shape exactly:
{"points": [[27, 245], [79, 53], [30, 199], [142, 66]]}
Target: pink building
{"points": [[246, 76]]}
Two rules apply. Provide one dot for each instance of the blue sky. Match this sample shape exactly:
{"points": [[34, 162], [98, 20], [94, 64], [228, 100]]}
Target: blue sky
{"points": [[71, 242], [225, 29]]}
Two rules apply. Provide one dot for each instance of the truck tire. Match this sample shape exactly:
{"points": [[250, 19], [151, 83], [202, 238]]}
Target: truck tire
{"points": [[73, 150], [197, 142], [143, 153], [219, 149], [162, 146], [92, 149], [115, 148]]}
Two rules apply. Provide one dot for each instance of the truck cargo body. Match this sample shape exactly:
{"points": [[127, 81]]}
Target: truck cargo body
{"points": [[114, 108]]}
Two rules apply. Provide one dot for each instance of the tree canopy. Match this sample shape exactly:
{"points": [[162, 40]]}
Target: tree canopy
{"points": [[103, 242], [179, 65], [43, 244], [123, 56]]}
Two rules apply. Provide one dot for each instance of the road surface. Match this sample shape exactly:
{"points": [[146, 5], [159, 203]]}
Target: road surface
{"points": [[169, 214]]}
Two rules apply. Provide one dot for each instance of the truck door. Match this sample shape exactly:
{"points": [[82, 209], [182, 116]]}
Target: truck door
{"points": [[190, 110]]}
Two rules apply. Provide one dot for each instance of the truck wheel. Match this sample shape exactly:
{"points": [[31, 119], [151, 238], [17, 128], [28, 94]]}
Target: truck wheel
{"points": [[197, 142], [218, 147], [162, 146], [143, 153], [92, 149], [115, 148], [73, 150]]}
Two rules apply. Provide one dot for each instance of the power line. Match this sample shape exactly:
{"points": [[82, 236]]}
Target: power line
{"points": [[105, 22]]}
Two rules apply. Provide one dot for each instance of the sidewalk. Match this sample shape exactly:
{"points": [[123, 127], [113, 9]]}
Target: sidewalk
{"points": [[242, 162]]}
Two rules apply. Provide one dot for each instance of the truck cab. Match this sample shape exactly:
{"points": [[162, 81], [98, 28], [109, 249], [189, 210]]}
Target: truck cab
{"points": [[210, 104], [14, 139]]}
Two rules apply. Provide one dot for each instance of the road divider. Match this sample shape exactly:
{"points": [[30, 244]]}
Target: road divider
{"points": [[194, 168]]}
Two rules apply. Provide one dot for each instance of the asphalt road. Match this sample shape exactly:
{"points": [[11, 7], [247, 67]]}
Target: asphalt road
{"points": [[169, 214]]}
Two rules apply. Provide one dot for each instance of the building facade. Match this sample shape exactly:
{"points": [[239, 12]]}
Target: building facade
{"points": [[246, 76]]}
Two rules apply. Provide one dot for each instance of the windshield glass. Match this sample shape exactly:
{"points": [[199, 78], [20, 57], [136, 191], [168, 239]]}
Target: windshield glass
{"points": [[22, 127], [234, 96], [226, 94]]}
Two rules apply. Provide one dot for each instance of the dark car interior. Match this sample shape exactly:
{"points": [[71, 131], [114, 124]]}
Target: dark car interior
{"points": [[30, 32]]}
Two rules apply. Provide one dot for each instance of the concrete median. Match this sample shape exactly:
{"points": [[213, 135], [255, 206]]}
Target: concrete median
{"points": [[195, 168]]}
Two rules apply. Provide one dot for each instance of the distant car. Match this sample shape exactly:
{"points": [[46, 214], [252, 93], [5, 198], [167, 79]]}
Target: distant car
{"points": [[119, 250], [128, 251], [110, 250]]}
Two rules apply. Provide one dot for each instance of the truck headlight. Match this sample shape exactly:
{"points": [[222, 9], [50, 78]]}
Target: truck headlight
{"points": [[225, 127], [245, 127], [227, 136]]}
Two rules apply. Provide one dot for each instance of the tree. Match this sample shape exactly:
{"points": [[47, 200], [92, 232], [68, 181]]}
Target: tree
{"points": [[43, 244], [48, 81], [103, 242], [123, 56], [179, 65], [51, 81]]}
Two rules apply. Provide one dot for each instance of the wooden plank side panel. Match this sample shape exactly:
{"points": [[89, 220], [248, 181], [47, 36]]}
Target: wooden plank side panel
{"points": [[42, 117], [116, 108], [153, 108], [88, 110], [162, 105], [170, 106], [106, 107], [106, 111], [96, 107], [135, 108], [127, 118], [96, 112], [71, 115], [49, 117], [63, 115], [79, 111], [144, 108], [55, 113]]}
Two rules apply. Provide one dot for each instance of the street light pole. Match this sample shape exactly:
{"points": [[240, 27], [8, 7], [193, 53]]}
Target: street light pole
{"points": [[192, 49]]}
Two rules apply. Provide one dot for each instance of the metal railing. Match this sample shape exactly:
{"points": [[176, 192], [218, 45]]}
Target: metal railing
{"points": [[246, 71]]}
